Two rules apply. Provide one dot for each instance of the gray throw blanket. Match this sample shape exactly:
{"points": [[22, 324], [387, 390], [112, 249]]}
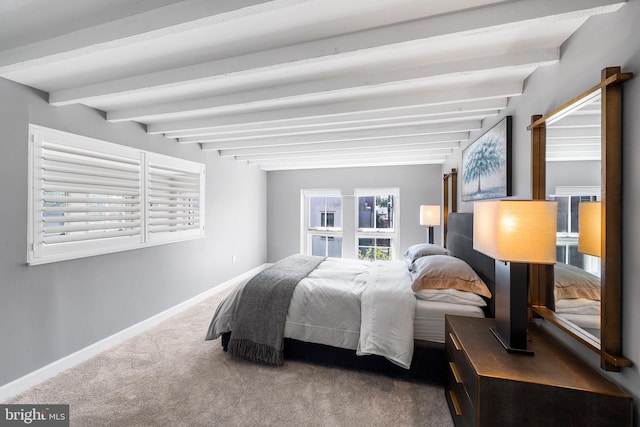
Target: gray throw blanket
{"points": [[257, 331]]}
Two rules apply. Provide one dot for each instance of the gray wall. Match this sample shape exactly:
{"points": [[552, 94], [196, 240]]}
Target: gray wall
{"points": [[603, 41], [50, 311], [419, 185]]}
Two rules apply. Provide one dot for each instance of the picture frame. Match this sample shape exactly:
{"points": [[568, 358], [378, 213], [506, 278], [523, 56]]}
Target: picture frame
{"points": [[486, 164]]}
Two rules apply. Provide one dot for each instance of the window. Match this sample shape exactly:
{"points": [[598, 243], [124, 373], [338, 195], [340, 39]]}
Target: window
{"points": [[90, 197], [377, 227], [568, 199], [174, 194], [322, 222]]}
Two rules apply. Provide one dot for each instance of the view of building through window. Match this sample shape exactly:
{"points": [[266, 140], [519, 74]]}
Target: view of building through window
{"points": [[374, 249], [324, 225], [374, 232], [325, 212], [567, 233], [326, 246], [375, 216]]}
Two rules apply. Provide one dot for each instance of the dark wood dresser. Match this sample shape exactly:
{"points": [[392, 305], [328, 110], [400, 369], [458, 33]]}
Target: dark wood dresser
{"points": [[486, 386]]}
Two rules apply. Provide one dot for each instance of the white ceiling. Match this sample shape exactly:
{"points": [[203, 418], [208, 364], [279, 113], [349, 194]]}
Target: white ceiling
{"points": [[291, 84]]}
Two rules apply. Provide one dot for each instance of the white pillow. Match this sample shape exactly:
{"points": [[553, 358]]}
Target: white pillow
{"points": [[423, 249], [452, 296], [577, 306]]}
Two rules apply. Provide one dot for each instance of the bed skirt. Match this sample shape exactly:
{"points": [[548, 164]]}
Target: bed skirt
{"points": [[428, 363]]}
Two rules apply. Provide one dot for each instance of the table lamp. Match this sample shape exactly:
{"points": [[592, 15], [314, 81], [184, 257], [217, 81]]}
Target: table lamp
{"points": [[515, 233], [430, 216], [589, 239]]}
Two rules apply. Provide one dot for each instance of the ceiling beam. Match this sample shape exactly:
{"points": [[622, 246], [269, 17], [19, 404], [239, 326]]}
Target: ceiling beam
{"points": [[317, 115], [583, 147], [574, 157], [169, 20], [217, 79], [328, 130], [409, 131], [406, 150], [578, 121], [330, 125], [332, 158], [377, 162], [449, 140], [574, 133], [255, 100]]}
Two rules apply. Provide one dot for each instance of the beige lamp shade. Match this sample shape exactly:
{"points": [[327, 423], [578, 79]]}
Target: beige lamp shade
{"points": [[430, 215], [516, 230], [589, 239]]}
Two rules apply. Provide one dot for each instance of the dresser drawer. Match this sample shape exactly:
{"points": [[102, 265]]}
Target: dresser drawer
{"points": [[463, 411], [460, 367]]}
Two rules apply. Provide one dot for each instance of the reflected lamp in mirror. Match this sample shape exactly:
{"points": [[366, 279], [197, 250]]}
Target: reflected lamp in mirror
{"points": [[430, 216], [515, 233], [589, 237]]}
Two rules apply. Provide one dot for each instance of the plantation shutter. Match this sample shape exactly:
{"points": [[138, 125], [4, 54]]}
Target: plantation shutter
{"points": [[175, 198], [85, 191], [90, 197]]}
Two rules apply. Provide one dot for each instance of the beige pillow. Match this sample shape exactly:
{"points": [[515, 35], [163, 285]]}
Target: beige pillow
{"points": [[573, 282], [446, 272]]}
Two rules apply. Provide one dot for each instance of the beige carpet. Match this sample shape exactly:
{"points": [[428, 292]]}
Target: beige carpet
{"points": [[170, 376]]}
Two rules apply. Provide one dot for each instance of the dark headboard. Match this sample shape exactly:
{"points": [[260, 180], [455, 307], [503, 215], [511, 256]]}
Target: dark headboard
{"points": [[460, 243]]}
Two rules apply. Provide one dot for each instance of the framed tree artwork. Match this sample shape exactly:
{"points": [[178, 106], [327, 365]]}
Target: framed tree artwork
{"points": [[486, 164]]}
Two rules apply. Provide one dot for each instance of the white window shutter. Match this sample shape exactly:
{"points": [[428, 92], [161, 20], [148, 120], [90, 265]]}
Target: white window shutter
{"points": [[86, 196], [90, 197], [175, 198]]}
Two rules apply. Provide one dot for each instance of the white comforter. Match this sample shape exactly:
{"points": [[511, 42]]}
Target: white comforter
{"points": [[364, 306]]}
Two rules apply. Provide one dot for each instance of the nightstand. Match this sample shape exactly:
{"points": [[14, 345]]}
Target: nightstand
{"points": [[486, 386]]}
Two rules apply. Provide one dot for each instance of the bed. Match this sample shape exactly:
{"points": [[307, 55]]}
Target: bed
{"points": [[577, 297], [376, 327]]}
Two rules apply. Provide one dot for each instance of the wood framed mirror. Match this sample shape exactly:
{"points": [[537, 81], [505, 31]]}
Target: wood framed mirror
{"points": [[598, 113], [449, 179]]}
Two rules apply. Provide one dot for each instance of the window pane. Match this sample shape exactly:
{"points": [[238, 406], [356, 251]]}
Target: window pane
{"points": [[334, 212], [575, 257], [383, 242], [366, 209], [384, 211], [316, 212], [326, 246], [375, 212], [374, 249], [560, 254], [318, 245], [325, 212], [575, 200], [334, 247], [563, 214], [366, 242]]}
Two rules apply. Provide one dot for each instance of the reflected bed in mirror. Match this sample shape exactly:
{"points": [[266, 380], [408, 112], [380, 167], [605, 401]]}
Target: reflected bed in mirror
{"points": [[577, 160]]}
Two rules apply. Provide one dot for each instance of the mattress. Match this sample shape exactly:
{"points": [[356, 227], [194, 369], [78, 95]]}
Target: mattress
{"points": [[428, 323]]}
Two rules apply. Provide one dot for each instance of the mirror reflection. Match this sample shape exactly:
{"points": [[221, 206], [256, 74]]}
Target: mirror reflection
{"points": [[573, 179]]}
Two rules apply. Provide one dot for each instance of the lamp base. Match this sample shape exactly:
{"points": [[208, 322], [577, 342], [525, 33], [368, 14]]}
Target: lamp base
{"points": [[511, 306], [508, 347]]}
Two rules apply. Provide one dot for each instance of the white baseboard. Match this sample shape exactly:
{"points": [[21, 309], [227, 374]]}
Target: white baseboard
{"points": [[21, 384]]}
